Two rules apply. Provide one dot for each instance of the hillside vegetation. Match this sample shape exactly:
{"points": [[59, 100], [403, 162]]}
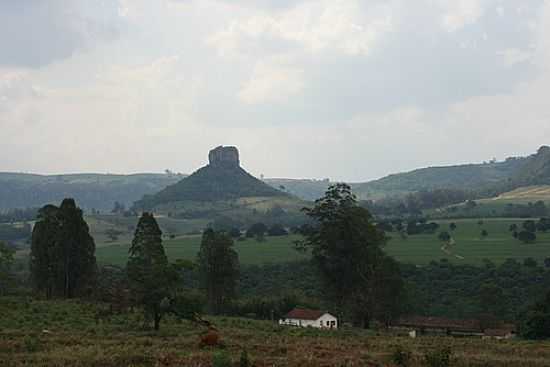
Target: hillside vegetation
{"points": [[210, 184], [98, 191]]}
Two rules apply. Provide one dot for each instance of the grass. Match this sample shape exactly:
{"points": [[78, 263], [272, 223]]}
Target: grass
{"points": [[64, 333], [497, 247], [469, 247], [272, 250]]}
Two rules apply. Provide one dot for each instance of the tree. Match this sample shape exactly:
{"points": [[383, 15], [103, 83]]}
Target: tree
{"points": [[277, 230], [62, 252], [150, 277], [484, 233], [6, 260], [452, 226], [346, 251], [527, 237], [118, 208], [218, 268], [530, 226], [513, 227], [444, 236], [536, 321], [257, 229], [113, 234]]}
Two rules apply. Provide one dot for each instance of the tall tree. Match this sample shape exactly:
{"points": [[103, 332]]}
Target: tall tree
{"points": [[150, 276], [62, 252], [6, 260], [346, 249], [219, 268]]}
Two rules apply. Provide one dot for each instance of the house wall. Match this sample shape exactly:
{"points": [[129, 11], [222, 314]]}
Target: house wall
{"points": [[322, 322]]}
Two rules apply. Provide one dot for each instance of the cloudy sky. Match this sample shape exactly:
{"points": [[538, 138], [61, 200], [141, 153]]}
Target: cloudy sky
{"points": [[346, 89]]}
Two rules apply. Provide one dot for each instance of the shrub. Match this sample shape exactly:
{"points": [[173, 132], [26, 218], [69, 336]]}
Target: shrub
{"points": [[221, 359], [439, 357], [401, 357], [32, 344], [244, 361]]}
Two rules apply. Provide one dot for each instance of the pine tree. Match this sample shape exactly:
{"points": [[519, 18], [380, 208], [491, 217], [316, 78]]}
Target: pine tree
{"points": [[62, 252], [219, 269], [150, 276]]}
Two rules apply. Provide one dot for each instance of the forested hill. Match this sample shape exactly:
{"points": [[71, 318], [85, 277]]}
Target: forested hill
{"points": [[222, 179], [490, 177], [97, 191]]}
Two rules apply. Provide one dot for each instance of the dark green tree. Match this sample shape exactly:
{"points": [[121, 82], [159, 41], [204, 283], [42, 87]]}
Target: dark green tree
{"points": [[444, 236], [527, 237], [62, 252], [150, 276], [219, 269], [6, 261], [452, 226], [346, 248], [484, 233], [530, 226], [536, 321]]}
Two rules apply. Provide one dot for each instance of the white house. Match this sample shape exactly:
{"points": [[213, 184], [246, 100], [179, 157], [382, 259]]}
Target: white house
{"points": [[312, 318]]}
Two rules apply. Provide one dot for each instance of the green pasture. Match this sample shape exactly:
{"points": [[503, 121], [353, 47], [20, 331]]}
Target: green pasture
{"points": [[469, 247], [272, 250]]}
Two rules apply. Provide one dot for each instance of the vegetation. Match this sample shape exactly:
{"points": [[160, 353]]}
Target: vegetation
{"points": [[92, 191], [211, 183], [62, 260], [346, 249], [219, 269], [151, 278]]}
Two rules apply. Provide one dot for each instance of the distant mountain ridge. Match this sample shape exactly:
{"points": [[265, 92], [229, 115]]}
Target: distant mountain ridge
{"points": [[97, 191], [100, 191]]}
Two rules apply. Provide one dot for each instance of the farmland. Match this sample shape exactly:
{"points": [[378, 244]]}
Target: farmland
{"points": [[64, 333], [469, 247]]}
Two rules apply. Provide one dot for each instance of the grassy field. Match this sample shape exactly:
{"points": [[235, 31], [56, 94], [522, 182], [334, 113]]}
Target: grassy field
{"points": [[272, 250], [469, 246], [64, 333]]}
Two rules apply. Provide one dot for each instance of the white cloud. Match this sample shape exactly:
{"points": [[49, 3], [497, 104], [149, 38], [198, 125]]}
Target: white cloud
{"points": [[459, 13], [316, 26], [272, 81]]}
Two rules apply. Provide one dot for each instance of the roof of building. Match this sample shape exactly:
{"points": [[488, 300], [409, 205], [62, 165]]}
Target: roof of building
{"points": [[305, 314], [439, 323]]}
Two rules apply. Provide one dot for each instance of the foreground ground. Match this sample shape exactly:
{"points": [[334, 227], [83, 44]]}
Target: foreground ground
{"points": [[39, 333]]}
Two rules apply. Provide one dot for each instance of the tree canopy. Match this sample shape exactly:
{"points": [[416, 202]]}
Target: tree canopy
{"points": [[63, 259]]}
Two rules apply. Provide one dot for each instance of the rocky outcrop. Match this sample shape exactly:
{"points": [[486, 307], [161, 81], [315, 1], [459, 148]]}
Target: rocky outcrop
{"points": [[224, 157]]}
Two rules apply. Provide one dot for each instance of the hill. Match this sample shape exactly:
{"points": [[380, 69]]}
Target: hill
{"points": [[305, 189], [490, 178], [98, 191], [223, 179]]}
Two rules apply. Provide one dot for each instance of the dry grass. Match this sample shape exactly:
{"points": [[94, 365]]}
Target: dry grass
{"points": [[76, 341]]}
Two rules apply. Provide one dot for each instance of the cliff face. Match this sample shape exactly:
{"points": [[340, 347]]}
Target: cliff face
{"points": [[224, 157]]}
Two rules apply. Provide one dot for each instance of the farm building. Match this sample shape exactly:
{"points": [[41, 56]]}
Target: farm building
{"points": [[421, 325], [310, 318]]}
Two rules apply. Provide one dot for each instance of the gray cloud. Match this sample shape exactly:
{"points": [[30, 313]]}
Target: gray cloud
{"points": [[34, 33]]}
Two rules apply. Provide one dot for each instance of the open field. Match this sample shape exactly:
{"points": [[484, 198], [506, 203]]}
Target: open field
{"points": [[64, 333], [497, 247], [272, 250], [469, 248]]}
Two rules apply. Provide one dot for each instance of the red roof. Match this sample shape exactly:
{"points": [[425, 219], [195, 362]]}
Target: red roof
{"points": [[304, 314], [439, 323]]}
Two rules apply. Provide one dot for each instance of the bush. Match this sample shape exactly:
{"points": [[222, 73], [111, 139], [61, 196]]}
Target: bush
{"points": [[401, 357], [244, 361], [439, 357], [32, 344], [221, 359]]}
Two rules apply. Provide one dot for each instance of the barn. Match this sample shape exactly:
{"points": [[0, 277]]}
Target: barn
{"points": [[310, 318]]}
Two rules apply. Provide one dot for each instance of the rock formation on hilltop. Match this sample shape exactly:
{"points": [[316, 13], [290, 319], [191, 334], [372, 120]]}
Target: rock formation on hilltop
{"points": [[224, 157], [222, 179]]}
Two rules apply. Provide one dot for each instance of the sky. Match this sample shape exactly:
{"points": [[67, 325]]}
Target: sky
{"points": [[344, 89]]}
